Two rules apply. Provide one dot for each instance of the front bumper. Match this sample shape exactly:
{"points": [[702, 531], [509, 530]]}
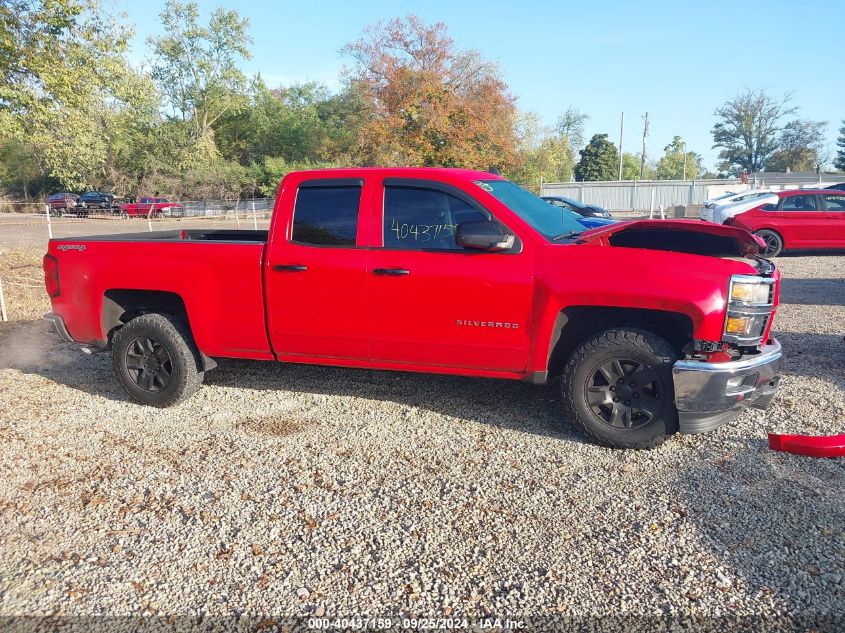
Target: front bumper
{"points": [[707, 395], [59, 324]]}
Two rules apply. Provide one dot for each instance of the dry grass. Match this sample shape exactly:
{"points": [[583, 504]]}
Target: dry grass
{"points": [[23, 283]]}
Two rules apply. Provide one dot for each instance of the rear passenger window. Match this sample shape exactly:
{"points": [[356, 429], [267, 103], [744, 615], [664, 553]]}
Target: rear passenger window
{"points": [[834, 202], [326, 216], [418, 218], [799, 203]]}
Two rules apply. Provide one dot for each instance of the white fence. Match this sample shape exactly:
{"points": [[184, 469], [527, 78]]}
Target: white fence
{"points": [[643, 195], [648, 195]]}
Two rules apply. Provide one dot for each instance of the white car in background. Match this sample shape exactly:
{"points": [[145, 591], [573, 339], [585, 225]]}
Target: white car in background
{"points": [[729, 200], [712, 202], [723, 212]]}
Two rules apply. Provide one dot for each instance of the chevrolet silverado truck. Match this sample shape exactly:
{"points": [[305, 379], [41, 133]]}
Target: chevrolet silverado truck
{"points": [[648, 327]]}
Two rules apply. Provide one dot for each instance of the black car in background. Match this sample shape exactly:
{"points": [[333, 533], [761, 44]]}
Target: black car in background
{"points": [[587, 210], [839, 187], [96, 199]]}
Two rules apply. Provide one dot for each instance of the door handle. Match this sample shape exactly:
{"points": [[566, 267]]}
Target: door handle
{"points": [[289, 268], [394, 272]]}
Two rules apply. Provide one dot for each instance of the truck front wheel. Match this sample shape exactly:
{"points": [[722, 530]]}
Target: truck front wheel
{"points": [[618, 390], [156, 360]]}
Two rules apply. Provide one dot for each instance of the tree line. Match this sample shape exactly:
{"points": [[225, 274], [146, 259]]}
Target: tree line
{"points": [[75, 114]]}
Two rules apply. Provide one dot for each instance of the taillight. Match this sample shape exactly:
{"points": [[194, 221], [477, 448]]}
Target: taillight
{"points": [[51, 275]]}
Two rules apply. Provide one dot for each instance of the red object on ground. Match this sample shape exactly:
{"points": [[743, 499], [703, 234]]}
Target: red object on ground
{"points": [[809, 445]]}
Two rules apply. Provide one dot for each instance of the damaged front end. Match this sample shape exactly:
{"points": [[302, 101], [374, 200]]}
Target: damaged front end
{"points": [[679, 236], [717, 379]]}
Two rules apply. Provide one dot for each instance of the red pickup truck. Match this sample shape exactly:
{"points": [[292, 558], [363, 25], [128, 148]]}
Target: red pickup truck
{"points": [[653, 326]]}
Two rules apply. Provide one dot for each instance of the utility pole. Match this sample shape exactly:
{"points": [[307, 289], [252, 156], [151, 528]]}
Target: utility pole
{"points": [[685, 161], [642, 156], [621, 132]]}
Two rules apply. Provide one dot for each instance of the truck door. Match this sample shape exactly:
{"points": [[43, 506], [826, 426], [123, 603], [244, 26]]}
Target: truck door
{"points": [[435, 303], [315, 271]]}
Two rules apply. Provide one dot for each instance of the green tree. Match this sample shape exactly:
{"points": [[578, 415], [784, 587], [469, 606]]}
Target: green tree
{"points": [[747, 131], [20, 169], [543, 155], [839, 161], [801, 146], [599, 160], [63, 82], [631, 167], [197, 69], [570, 128], [671, 165]]}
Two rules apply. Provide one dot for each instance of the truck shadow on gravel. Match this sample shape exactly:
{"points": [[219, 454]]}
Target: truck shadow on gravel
{"points": [[499, 403], [812, 291], [34, 349]]}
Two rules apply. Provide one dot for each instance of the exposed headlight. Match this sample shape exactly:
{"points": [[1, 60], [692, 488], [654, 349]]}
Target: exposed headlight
{"points": [[750, 292], [749, 309], [739, 325]]}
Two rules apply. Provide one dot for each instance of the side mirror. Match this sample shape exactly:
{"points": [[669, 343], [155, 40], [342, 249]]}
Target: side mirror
{"points": [[486, 235]]}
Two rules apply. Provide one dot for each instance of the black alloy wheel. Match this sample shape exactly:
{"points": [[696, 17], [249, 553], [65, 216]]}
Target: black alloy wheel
{"points": [[618, 389], [156, 359], [148, 364], [624, 393]]}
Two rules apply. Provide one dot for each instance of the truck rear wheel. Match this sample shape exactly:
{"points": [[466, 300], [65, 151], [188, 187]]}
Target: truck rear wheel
{"points": [[156, 360], [618, 390]]}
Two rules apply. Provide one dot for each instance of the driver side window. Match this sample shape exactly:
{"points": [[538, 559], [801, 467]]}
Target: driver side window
{"points": [[421, 219]]}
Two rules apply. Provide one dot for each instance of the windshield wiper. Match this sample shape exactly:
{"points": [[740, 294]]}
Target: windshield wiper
{"points": [[566, 236]]}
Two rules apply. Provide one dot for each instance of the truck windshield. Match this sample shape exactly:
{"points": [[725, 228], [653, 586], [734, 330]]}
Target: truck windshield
{"points": [[551, 222]]}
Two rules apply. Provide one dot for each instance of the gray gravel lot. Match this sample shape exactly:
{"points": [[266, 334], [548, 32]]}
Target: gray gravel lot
{"points": [[294, 490]]}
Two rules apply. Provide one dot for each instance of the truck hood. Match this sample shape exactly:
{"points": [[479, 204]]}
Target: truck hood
{"points": [[681, 236]]}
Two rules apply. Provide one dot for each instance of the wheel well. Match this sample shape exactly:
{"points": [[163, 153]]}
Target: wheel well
{"points": [[121, 306], [577, 323]]}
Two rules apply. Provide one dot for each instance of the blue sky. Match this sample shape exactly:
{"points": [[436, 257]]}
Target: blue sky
{"points": [[677, 61]]}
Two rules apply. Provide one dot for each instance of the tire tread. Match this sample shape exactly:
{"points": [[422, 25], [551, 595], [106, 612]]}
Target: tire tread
{"points": [[175, 333], [641, 339]]}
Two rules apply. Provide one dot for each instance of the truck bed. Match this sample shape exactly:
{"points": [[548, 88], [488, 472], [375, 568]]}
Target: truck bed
{"points": [[221, 236], [216, 274]]}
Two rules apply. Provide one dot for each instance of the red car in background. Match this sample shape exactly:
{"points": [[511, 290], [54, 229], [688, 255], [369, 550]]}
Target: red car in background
{"points": [[801, 219], [155, 207]]}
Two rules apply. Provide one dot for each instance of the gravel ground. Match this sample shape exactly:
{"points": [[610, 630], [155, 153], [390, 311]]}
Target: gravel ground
{"points": [[294, 490], [23, 283]]}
